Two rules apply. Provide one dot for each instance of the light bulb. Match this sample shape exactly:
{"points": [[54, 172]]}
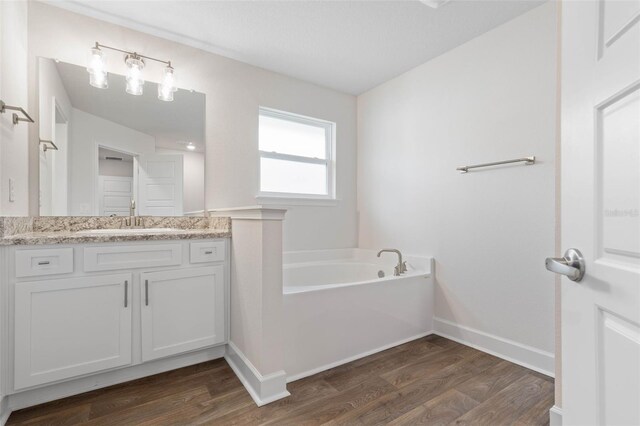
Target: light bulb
{"points": [[167, 85], [191, 146], [96, 66], [135, 82]]}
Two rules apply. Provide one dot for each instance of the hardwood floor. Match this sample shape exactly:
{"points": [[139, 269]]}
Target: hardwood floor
{"points": [[431, 381]]}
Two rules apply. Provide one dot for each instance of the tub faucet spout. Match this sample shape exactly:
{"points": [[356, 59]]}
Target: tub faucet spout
{"points": [[401, 267]]}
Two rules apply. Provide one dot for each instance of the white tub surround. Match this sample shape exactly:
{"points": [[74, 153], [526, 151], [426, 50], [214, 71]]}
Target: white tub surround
{"points": [[77, 317], [337, 309], [255, 351]]}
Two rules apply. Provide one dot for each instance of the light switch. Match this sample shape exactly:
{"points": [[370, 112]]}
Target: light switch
{"points": [[12, 190]]}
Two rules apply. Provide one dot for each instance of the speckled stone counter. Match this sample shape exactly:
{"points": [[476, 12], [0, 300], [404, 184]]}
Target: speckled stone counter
{"points": [[65, 230]]}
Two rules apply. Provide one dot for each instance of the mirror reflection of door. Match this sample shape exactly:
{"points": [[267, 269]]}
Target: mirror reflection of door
{"points": [[115, 182], [155, 148], [160, 187]]}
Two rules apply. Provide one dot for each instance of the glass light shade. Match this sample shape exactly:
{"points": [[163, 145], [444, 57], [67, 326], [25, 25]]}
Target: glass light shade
{"points": [[99, 80], [167, 85], [191, 146], [96, 66], [135, 82]]}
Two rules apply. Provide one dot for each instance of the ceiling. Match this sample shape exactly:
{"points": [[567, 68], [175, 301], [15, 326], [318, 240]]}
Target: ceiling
{"points": [[350, 45], [169, 122]]}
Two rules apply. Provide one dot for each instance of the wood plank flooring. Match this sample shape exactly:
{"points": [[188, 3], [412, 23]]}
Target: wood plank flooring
{"points": [[430, 381]]}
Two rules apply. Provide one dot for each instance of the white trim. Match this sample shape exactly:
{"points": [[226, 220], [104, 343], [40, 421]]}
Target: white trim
{"points": [[44, 394], [331, 365], [555, 416], [263, 389], [286, 200], [518, 353], [5, 412], [250, 213]]}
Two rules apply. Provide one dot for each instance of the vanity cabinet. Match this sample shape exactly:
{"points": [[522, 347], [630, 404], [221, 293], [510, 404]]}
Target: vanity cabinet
{"points": [[70, 327], [182, 310], [85, 309]]}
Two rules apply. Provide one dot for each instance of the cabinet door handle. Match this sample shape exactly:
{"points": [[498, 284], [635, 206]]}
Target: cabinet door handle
{"points": [[126, 293], [146, 292]]}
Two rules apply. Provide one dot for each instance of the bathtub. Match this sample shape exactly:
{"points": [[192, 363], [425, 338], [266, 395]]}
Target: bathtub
{"points": [[337, 308]]}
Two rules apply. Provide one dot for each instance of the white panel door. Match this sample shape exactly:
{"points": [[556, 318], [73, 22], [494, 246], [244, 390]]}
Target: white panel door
{"points": [[182, 310], [601, 211], [115, 194], [160, 180], [70, 327]]}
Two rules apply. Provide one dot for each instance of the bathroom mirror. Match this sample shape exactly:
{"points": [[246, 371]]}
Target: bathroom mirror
{"points": [[105, 151]]}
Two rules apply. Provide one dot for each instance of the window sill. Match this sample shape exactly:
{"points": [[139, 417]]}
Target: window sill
{"points": [[284, 201]]}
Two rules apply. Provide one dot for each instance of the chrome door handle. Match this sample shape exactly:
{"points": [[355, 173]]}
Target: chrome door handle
{"points": [[571, 265]]}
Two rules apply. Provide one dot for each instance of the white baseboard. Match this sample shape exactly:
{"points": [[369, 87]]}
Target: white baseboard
{"points": [[526, 356], [41, 395], [555, 416], [4, 411], [331, 365], [263, 389]]}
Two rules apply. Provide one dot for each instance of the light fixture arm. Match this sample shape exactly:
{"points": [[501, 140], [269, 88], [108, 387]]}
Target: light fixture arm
{"points": [[134, 54]]}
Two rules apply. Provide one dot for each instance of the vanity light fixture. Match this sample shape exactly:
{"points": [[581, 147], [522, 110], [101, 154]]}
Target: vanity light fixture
{"points": [[135, 65]]}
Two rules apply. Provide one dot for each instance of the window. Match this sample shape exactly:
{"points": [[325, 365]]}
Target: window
{"points": [[295, 156]]}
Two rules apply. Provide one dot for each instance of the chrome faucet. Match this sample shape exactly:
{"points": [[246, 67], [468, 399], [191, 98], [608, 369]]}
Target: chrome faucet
{"points": [[401, 267], [132, 221]]}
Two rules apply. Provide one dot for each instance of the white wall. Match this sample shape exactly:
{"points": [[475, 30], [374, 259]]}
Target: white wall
{"points": [[85, 133], [193, 178], [492, 98], [14, 153], [234, 91]]}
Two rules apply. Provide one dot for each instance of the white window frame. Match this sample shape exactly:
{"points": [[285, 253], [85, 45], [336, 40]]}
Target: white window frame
{"points": [[329, 162]]}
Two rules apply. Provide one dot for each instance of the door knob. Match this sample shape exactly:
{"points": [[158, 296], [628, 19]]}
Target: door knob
{"points": [[571, 265]]}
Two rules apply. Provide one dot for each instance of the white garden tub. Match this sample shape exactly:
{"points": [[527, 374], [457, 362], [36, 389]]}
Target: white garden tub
{"points": [[337, 309]]}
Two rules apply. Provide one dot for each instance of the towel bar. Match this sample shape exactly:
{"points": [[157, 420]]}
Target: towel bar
{"points": [[16, 118], [526, 160]]}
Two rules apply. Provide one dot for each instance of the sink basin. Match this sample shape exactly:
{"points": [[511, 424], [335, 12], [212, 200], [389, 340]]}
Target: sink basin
{"points": [[127, 231]]}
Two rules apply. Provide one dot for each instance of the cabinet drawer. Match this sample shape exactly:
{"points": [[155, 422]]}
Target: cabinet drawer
{"points": [[30, 263], [209, 251], [127, 257]]}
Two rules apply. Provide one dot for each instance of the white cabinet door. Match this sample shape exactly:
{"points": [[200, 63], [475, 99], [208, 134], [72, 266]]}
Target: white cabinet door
{"points": [[182, 310], [70, 327]]}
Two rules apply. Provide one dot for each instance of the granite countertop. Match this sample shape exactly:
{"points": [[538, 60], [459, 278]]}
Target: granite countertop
{"points": [[66, 230]]}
